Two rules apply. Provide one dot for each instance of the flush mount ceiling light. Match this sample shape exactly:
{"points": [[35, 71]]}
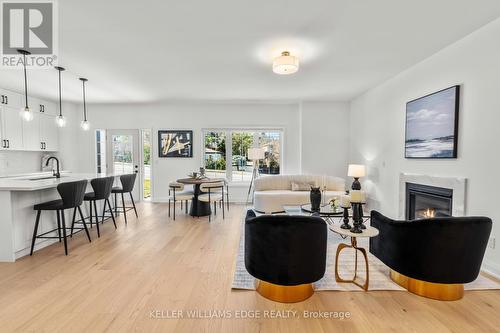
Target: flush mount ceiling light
{"points": [[85, 125], [285, 63], [60, 120], [26, 112]]}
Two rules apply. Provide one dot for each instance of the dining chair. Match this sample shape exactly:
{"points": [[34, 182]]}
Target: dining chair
{"points": [[176, 193], [213, 192]]}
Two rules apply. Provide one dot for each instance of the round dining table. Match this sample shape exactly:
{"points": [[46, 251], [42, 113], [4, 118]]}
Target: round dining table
{"points": [[199, 208]]}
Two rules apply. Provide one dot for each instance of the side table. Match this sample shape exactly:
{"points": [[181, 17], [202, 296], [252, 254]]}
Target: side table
{"points": [[368, 232]]}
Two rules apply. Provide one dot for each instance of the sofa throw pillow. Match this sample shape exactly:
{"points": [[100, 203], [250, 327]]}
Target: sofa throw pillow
{"points": [[297, 186]]}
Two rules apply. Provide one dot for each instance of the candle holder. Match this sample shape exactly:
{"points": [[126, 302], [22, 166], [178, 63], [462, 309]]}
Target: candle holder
{"points": [[346, 225], [361, 220], [357, 221]]}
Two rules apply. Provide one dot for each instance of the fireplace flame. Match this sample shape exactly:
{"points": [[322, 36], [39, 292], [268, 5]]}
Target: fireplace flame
{"points": [[429, 213]]}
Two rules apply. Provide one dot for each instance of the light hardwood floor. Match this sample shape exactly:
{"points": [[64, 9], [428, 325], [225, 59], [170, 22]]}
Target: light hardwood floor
{"points": [[156, 263]]}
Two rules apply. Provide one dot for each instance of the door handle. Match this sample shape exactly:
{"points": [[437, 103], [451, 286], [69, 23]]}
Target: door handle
{"points": [[6, 99], [8, 143], [4, 145], [3, 98]]}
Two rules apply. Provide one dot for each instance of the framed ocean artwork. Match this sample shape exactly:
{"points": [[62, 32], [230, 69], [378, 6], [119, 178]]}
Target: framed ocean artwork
{"points": [[432, 125]]}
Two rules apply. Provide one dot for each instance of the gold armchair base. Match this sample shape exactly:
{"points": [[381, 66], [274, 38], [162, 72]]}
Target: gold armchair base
{"points": [[284, 294], [439, 291]]}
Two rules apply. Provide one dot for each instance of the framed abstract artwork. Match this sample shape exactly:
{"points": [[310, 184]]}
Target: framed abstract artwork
{"points": [[175, 143], [432, 125]]}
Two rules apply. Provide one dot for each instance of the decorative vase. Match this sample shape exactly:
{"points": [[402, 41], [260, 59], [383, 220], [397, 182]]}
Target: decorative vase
{"points": [[315, 197]]}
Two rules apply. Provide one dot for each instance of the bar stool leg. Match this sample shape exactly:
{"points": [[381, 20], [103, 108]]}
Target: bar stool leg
{"points": [[124, 211], [59, 225], [116, 204], [96, 219], [63, 219], [168, 207], [90, 203], [35, 231], [133, 204], [73, 222], [110, 211], [84, 224]]}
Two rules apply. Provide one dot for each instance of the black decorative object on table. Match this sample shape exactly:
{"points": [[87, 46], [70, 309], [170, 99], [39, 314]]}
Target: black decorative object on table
{"points": [[357, 219], [315, 197], [346, 225], [361, 220]]}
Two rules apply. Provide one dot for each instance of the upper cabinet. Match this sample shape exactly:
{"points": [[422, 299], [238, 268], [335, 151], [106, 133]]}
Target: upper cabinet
{"points": [[39, 134], [49, 133], [12, 129], [41, 106], [11, 99]]}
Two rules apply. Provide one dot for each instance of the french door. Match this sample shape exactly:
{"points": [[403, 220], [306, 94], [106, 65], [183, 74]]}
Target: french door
{"points": [[123, 157]]}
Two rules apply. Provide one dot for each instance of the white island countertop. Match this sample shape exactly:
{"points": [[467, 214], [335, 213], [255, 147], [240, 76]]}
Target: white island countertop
{"points": [[42, 181]]}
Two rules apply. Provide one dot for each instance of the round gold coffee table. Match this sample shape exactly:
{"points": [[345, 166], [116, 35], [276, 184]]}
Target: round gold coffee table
{"points": [[368, 232]]}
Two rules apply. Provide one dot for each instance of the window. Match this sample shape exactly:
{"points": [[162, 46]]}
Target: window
{"points": [[215, 154], [100, 139], [226, 152]]}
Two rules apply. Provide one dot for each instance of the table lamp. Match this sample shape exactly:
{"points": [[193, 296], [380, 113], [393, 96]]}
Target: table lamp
{"points": [[356, 171]]}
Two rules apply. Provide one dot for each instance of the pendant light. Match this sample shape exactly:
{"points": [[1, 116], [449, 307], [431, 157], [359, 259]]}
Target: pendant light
{"points": [[26, 112], [85, 125], [60, 120]]}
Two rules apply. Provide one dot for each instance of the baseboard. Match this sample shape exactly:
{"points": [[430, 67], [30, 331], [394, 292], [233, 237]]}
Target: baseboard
{"points": [[491, 268]]}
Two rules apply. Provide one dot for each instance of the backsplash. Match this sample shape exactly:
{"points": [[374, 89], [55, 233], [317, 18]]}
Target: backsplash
{"points": [[18, 162]]}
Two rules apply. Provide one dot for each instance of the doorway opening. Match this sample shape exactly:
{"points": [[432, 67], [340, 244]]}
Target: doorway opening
{"points": [[146, 164]]}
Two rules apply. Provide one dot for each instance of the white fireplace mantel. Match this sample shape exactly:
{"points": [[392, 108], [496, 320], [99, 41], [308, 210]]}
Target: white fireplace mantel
{"points": [[457, 184]]}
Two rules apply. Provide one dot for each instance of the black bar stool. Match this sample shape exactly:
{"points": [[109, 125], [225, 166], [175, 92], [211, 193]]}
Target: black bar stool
{"points": [[102, 190], [128, 182], [72, 194]]}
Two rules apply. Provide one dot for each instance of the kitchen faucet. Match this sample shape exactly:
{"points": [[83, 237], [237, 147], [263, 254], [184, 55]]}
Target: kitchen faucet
{"points": [[56, 174]]}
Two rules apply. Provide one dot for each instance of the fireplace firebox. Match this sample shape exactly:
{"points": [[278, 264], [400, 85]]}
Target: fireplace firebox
{"points": [[424, 201]]}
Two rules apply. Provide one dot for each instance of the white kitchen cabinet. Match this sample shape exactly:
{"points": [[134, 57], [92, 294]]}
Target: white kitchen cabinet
{"points": [[12, 129], [49, 133], [39, 134], [42, 106], [11, 99], [31, 133]]}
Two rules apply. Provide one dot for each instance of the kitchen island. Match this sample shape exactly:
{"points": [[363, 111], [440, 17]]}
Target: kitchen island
{"points": [[18, 195]]}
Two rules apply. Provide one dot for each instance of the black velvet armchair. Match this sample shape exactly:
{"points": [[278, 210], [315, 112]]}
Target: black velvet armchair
{"points": [[286, 254], [432, 257]]}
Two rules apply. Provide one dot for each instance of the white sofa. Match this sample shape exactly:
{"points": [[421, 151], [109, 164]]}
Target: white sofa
{"points": [[273, 192]]}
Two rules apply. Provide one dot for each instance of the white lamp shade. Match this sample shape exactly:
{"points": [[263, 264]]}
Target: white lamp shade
{"points": [[256, 154], [356, 170], [285, 64]]}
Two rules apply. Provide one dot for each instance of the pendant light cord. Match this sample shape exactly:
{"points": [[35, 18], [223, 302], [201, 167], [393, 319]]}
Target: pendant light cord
{"points": [[60, 99], [25, 81], [84, 104]]}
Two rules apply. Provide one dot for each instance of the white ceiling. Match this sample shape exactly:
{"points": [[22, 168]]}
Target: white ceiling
{"points": [[154, 50]]}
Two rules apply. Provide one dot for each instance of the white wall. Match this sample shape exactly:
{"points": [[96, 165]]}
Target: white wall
{"points": [[193, 116], [325, 138], [378, 127]]}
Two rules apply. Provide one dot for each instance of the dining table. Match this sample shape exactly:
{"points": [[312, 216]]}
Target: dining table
{"points": [[199, 208]]}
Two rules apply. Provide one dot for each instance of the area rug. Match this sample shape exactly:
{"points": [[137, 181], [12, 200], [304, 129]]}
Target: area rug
{"points": [[379, 272]]}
